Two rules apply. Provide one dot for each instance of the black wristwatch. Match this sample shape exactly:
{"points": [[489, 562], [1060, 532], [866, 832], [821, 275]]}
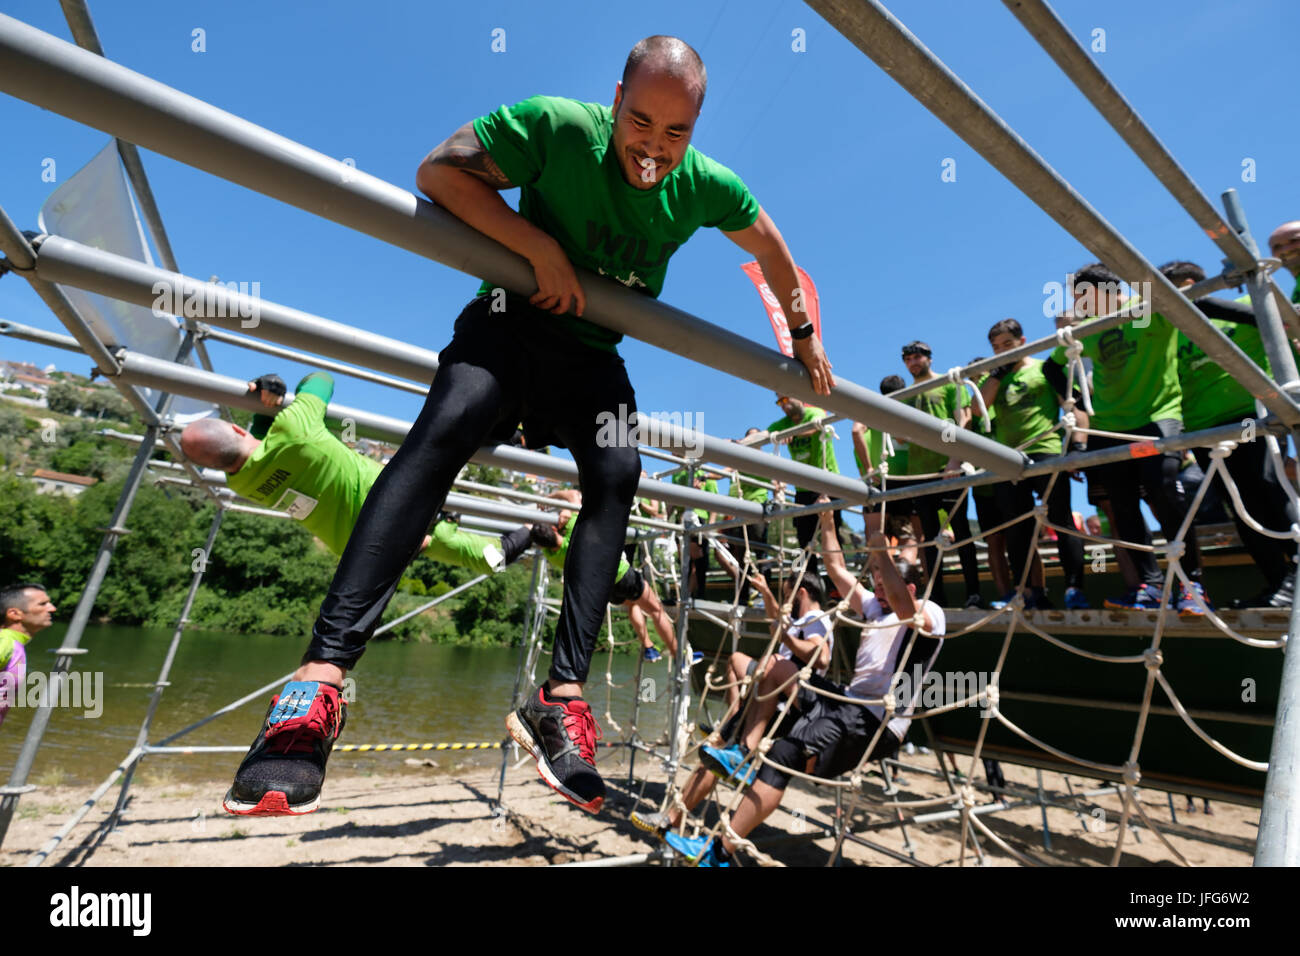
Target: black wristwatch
{"points": [[802, 331]]}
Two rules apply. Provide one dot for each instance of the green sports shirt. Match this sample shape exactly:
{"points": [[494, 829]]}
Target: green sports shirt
{"points": [[559, 152], [710, 485], [302, 469], [813, 449], [1026, 406], [943, 402], [1134, 374], [741, 487], [556, 558]]}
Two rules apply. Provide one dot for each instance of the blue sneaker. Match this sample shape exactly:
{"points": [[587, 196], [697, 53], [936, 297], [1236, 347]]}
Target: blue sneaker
{"points": [[1145, 598], [695, 848], [1003, 601], [652, 654], [727, 763], [1076, 600], [1186, 603]]}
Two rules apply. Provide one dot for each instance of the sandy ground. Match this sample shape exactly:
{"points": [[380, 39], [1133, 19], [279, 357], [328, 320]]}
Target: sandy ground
{"points": [[413, 814]]}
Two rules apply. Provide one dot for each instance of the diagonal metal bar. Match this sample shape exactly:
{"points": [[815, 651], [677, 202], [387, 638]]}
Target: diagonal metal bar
{"points": [[878, 34]]}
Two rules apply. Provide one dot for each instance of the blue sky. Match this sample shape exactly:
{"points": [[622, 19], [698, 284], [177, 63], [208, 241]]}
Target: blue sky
{"points": [[846, 163]]}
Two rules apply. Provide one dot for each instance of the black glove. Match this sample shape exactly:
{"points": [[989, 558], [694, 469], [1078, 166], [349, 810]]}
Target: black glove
{"points": [[273, 384], [1002, 371]]}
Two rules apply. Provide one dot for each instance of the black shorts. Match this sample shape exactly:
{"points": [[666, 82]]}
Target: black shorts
{"points": [[1105, 480], [628, 587], [835, 732]]}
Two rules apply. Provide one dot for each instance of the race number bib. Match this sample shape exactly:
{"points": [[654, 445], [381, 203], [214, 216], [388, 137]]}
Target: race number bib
{"points": [[296, 505]]}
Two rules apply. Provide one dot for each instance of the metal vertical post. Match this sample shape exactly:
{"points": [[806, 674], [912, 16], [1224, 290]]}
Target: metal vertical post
{"points": [[161, 684], [536, 610], [1276, 345], [77, 627], [1278, 843]]}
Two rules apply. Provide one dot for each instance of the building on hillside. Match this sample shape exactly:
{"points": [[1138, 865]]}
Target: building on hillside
{"points": [[57, 483]]}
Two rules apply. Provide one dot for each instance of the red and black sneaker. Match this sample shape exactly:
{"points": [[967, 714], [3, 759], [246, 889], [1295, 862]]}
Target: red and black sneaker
{"points": [[284, 769], [561, 733]]}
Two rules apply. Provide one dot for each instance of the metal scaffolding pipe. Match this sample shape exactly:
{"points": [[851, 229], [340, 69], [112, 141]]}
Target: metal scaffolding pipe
{"points": [[329, 365], [72, 263], [879, 35], [471, 505], [58, 76], [708, 448]]}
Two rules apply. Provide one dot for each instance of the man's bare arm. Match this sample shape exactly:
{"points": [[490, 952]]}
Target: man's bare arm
{"points": [[461, 176], [763, 241], [833, 554]]}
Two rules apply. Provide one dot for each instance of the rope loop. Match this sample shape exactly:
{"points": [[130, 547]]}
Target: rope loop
{"points": [[1131, 773]]}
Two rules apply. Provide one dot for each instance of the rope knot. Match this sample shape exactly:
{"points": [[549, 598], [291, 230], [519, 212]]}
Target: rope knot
{"points": [[1074, 351], [1175, 550], [955, 374], [967, 796], [1131, 774], [1068, 419], [1040, 511], [1152, 658], [1223, 449], [1065, 337], [764, 746], [890, 703], [992, 697]]}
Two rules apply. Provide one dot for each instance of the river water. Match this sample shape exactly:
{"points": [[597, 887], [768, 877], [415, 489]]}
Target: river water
{"points": [[404, 693]]}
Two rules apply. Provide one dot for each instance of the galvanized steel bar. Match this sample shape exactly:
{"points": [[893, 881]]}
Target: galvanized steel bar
{"points": [[56, 75], [879, 35]]}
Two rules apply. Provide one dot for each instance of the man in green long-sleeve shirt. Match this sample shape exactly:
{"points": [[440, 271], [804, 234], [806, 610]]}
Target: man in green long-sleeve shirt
{"points": [[292, 463]]}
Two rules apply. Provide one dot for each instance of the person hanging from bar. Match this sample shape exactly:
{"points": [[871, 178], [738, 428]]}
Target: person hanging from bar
{"points": [[291, 462], [615, 191], [1212, 397], [1135, 391], [631, 590], [821, 735]]}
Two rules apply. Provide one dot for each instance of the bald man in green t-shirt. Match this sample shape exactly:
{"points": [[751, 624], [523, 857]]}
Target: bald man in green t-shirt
{"points": [[614, 190]]}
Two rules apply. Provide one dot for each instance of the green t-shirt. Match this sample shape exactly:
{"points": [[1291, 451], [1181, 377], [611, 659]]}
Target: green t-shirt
{"points": [[1026, 406], [451, 544], [814, 448], [556, 558], [1134, 374], [875, 442], [1211, 396], [572, 188], [741, 488], [8, 638], [1295, 293], [942, 402], [302, 469], [710, 485]]}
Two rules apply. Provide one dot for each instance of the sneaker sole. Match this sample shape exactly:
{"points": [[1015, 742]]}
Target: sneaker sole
{"points": [[273, 804], [524, 737], [647, 828]]}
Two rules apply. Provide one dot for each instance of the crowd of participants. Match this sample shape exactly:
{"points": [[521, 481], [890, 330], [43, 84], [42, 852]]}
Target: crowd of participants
{"points": [[1146, 381]]}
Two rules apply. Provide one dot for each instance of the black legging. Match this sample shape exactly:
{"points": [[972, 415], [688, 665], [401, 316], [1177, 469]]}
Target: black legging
{"points": [[927, 507], [502, 367], [1016, 499], [1265, 500], [1156, 477]]}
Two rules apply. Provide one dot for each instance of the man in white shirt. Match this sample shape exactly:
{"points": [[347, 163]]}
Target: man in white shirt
{"points": [[808, 638], [831, 736]]}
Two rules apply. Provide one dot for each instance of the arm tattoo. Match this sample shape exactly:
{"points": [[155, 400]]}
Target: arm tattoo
{"points": [[463, 150]]}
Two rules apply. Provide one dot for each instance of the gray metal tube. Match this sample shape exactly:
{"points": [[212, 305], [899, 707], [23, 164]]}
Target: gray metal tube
{"points": [[329, 365], [1054, 37], [471, 505], [56, 75], [142, 738], [76, 628], [876, 32], [72, 263], [708, 448], [1267, 315], [1278, 842], [28, 333]]}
